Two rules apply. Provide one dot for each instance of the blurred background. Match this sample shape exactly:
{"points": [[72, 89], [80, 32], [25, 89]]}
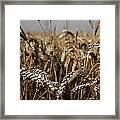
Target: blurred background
{"points": [[73, 25]]}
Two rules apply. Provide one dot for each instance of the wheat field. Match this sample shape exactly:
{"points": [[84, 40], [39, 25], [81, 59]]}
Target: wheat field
{"points": [[61, 65]]}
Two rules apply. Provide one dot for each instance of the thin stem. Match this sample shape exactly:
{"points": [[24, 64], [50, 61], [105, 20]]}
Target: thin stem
{"points": [[42, 28], [42, 94]]}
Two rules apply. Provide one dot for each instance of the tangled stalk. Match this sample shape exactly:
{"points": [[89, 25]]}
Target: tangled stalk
{"points": [[60, 66]]}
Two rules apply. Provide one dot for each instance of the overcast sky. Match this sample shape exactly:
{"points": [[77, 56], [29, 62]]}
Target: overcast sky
{"points": [[73, 25]]}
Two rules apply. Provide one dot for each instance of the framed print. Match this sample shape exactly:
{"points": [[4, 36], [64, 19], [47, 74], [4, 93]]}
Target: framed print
{"points": [[60, 60]]}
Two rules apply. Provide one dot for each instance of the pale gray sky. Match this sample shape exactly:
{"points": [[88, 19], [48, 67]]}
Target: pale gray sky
{"points": [[73, 25]]}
